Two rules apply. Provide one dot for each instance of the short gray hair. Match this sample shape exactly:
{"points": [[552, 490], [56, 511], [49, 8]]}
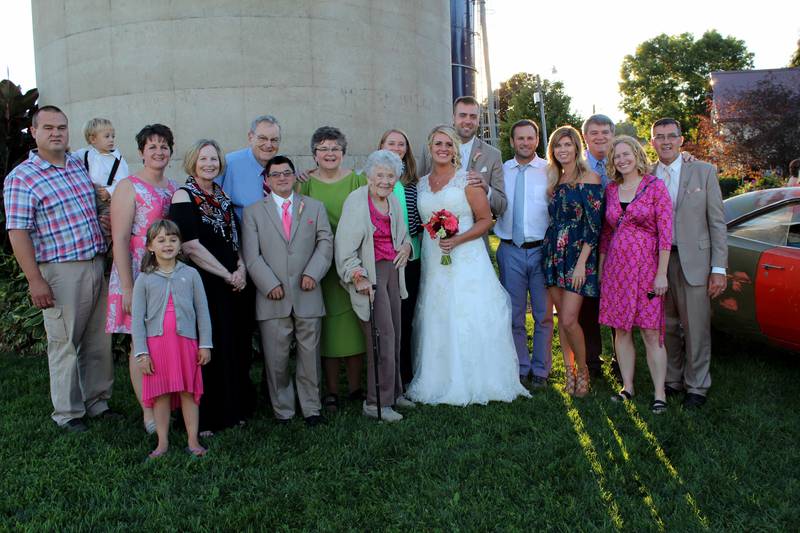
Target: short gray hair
{"points": [[599, 120], [269, 119], [384, 158]]}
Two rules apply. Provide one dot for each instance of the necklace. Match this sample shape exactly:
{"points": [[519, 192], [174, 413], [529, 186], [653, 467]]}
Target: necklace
{"points": [[438, 182], [166, 271], [630, 185]]}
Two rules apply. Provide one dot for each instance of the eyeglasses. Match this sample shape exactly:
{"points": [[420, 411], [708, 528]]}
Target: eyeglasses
{"points": [[326, 149], [285, 174], [670, 136], [262, 140]]}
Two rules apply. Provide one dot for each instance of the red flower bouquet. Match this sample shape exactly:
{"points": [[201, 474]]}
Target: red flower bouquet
{"points": [[443, 224]]}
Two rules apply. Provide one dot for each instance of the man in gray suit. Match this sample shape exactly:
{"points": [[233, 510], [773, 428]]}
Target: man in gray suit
{"points": [[697, 263], [288, 248], [482, 162]]}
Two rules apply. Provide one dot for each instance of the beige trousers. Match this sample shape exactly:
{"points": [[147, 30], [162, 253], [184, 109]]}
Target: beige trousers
{"points": [[687, 310], [78, 347], [276, 338]]}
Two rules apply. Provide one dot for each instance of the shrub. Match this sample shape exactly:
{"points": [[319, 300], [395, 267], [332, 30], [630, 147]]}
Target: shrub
{"points": [[767, 181], [20, 322]]}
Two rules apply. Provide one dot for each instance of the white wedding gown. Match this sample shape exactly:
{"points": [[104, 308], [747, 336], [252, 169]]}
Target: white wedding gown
{"points": [[462, 325]]}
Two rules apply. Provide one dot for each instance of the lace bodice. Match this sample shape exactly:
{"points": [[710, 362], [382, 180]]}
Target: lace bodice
{"points": [[451, 197]]}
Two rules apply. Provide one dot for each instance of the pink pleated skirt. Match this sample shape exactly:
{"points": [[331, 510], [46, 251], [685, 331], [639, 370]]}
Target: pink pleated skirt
{"points": [[175, 365]]}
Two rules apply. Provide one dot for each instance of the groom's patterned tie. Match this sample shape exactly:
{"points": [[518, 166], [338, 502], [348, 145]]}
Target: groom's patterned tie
{"points": [[518, 227]]}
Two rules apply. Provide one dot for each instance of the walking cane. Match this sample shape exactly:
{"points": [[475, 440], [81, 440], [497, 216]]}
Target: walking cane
{"points": [[376, 351]]}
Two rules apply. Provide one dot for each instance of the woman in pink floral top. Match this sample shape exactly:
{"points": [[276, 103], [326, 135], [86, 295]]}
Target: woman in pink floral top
{"points": [[634, 253], [138, 201]]}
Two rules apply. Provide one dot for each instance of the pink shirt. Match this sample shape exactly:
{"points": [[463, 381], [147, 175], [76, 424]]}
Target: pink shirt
{"points": [[384, 248]]}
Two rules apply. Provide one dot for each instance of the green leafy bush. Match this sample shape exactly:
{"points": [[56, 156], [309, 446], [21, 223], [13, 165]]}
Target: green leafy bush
{"points": [[20, 322], [767, 181]]}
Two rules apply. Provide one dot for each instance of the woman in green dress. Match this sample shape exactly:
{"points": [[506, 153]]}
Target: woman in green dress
{"points": [[342, 338]]}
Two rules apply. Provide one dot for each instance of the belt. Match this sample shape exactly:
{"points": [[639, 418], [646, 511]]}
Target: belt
{"points": [[525, 245]]}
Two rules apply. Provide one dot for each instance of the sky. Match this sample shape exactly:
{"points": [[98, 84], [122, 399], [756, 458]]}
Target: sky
{"points": [[584, 41]]}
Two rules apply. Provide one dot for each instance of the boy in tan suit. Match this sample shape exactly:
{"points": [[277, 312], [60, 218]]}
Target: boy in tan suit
{"points": [[288, 248]]}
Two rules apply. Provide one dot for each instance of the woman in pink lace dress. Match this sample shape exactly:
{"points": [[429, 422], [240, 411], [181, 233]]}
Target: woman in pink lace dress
{"points": [[138, 201], [634, 253]]}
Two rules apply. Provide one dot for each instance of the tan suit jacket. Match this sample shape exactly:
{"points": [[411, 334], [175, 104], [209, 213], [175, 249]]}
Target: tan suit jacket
{"points": [[699, 227], [488, 161], [272, 261]]}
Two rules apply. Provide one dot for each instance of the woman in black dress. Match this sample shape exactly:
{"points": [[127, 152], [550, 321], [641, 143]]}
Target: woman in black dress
{"points": [[210, 233]]}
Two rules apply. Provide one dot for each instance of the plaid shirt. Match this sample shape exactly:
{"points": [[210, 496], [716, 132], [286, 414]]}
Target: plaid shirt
{"points": [[57, 207]]}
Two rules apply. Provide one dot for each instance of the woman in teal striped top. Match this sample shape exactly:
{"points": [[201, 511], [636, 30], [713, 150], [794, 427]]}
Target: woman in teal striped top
{"points": [[406, 191]]}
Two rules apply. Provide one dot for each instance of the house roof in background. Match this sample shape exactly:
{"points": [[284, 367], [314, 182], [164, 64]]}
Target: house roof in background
{"points": [[726, 85]]}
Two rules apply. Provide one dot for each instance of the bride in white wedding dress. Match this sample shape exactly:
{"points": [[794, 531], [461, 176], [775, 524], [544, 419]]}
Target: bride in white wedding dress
{"points": [[462, 326]]}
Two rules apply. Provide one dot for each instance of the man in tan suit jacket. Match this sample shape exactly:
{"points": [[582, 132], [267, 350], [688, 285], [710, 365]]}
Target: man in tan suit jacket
{"points": [[482, 162], [697, 263], [288, 248]]}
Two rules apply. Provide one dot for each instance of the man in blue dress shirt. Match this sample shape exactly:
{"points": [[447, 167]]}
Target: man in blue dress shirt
{"points": [[598, 132], [242, 180]]}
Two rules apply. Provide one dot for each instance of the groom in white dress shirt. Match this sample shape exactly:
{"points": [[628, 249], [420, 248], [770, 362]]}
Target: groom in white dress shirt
{"points": [[521, 229]]}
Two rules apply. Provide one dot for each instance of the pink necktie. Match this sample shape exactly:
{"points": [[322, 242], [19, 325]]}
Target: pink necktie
{"points": [[286, 218]]}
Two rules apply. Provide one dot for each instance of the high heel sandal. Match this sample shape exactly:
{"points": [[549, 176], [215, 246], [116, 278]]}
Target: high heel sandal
{"points": [[582, 382], [569, 379]]}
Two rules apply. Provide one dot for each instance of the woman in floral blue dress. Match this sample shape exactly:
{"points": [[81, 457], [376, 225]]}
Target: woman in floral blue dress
{"points": [[570, 246]]}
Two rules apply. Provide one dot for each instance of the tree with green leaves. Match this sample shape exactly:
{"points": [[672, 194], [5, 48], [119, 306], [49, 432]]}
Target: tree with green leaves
{"points": [[669, 76], [515, 101], [795, 61]]}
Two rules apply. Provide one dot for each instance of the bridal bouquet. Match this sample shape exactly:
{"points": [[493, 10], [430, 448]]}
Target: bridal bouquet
{"points": [[443, 224]]}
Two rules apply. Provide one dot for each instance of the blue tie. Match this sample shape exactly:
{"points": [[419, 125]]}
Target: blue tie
{"points": [[518, 227], [600, 168]]}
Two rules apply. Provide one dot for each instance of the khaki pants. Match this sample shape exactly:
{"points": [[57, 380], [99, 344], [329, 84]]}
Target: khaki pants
{"points": [[78, 347], [687, 310], [276, 338]]}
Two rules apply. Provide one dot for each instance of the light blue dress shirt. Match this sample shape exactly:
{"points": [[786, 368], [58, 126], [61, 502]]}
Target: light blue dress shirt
{"points": [[598, 166], [242, 180]]}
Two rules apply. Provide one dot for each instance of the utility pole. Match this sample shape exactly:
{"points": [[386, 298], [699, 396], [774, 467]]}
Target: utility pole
{"points": [[487, 70], [539, 96]]}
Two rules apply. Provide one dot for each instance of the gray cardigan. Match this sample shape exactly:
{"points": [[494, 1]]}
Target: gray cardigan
{"points": [[150, 295], [354, 245]]}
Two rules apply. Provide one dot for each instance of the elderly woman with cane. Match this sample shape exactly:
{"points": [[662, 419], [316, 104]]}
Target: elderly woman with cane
{"points": [[371, 250]]}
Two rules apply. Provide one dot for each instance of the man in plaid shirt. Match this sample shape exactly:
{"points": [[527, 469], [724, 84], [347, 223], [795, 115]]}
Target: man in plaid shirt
{"points": [[52, 223]]}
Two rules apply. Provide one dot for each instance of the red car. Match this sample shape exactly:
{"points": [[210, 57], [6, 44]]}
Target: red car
{"points": [[762, 299]]}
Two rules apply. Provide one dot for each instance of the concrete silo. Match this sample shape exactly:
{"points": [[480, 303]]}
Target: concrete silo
{"points": [[206, 67]]}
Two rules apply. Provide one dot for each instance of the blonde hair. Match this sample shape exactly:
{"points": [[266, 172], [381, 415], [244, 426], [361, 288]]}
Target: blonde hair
{"points": [[93, 126], [149, 263], [193, 154], [642, 164], [554, 168], [409, 164], [450, 132]]}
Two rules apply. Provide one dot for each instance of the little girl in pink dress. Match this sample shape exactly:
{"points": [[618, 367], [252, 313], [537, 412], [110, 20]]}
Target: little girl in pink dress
{"points": [[171, 335]]}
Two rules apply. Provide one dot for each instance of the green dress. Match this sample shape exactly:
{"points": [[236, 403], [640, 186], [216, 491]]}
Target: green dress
{"points": [[341, 329]]}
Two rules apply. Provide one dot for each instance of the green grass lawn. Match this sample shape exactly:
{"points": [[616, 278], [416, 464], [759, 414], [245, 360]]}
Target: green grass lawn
{"points": [[546, 463]]}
